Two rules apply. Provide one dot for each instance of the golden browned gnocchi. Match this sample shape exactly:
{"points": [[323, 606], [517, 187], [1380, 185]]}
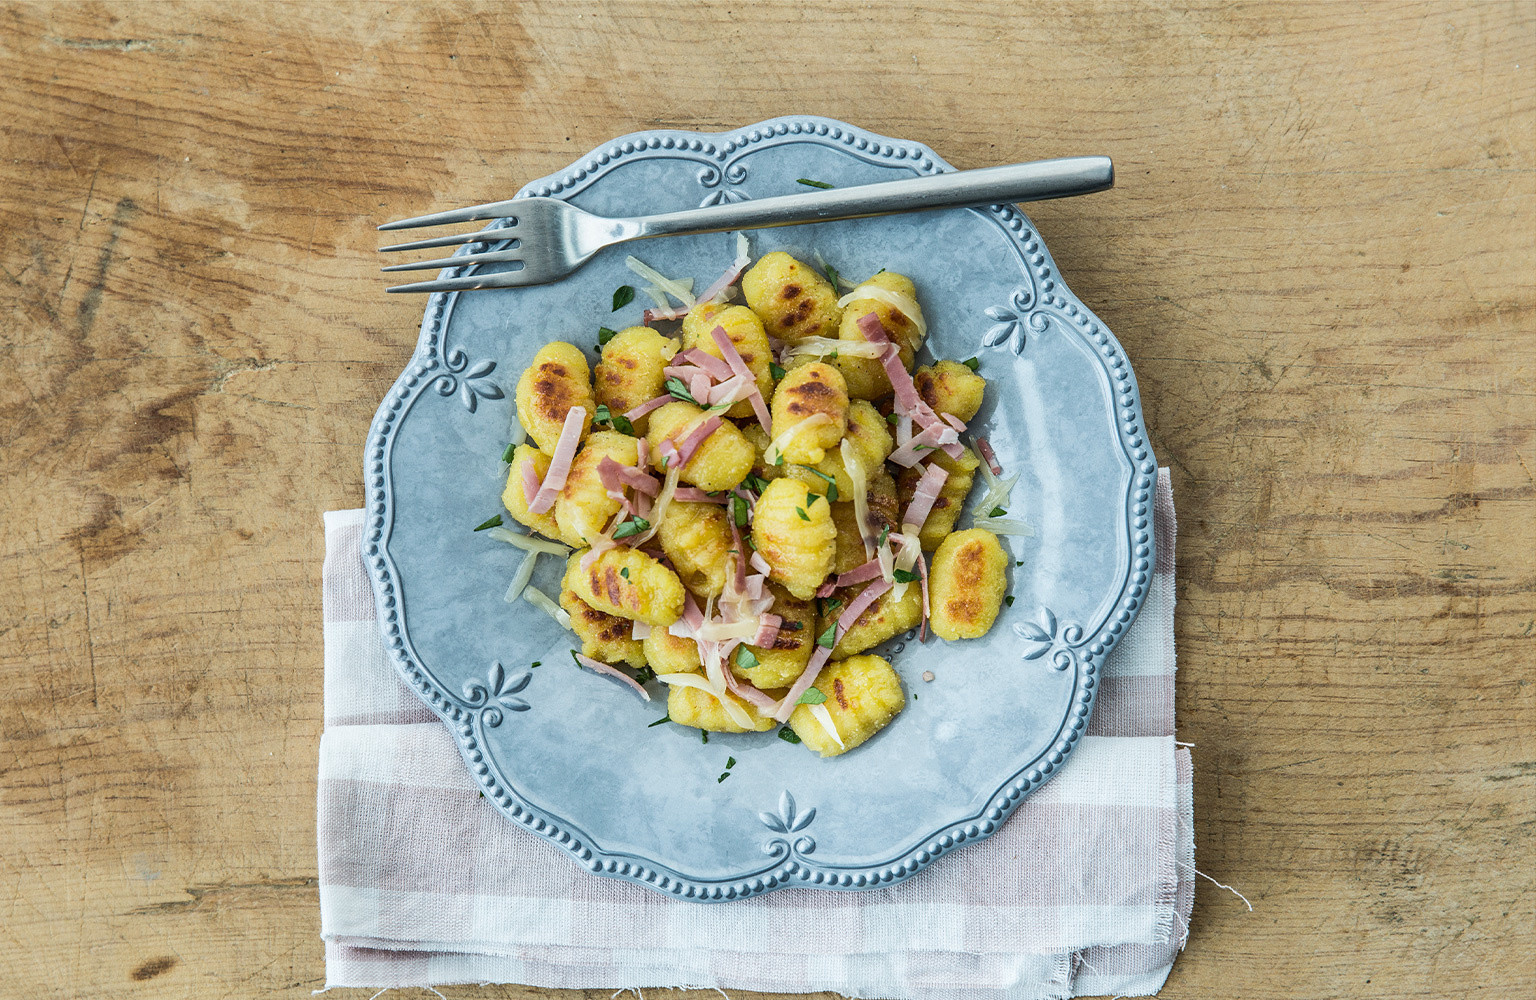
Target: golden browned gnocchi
{"points": [[869, 438], [515, 497], [885, 619], [725, 537], [603, 636], [792, 529], [902, 318], [814, 398], [557, 380], [631, 371], [950, 387], [628, 583], [697, 538], [584, 508], [745, 332], [689, 706], [779, 665], [722, 461], [863, 694], [946, 509], [793, 301], [968, 580]]}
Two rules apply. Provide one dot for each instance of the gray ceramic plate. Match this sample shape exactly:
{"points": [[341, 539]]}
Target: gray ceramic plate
{"points": [[567, 753]]}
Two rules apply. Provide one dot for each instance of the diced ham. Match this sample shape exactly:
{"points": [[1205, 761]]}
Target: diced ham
{"points": [[860, 574], [530, 483], [606, 670], [696, 495], [560, 461], [739, 366], [923, 497], [696, 437], [988, 456], [648, 406], [717, 368]]}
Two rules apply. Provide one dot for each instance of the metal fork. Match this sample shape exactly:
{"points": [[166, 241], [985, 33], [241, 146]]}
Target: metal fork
{"points": [[549, 238]]}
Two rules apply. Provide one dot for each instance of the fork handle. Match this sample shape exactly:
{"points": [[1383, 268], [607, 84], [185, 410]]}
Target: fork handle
{"points": [[1016, 182]]}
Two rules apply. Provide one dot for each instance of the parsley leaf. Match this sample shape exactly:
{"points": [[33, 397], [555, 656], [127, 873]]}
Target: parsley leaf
{"points": [[827, 640], [812, 696], [1009, 599], [633, 526], [624, 572], [723, 776], [536, 663], [972, 363], [739, 511], [603, 333], [813, 184], [831, 482], [788, 735], [730, 762], [775, 369], [623, 296], [885, 533], [493, 522], [798, 510], [832, 275], [904, 576], [892, 419], [744, 658], [508, 452], [996, 512], [621, 423], [653, 725], [680, 391], [703, 736], [645, 675], [755, 484]]}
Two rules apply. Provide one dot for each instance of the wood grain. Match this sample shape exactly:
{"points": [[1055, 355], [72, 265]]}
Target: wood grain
{"points": [[1320, 257]]}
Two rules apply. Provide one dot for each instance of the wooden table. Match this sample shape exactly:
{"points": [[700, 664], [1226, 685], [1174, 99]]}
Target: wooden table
{"points": [[1320, 256]]}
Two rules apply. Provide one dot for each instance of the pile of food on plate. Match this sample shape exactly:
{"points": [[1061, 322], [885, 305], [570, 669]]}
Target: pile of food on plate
{"points": [[745, 505]]}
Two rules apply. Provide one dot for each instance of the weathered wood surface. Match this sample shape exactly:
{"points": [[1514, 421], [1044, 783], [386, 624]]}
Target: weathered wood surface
{"points": [[1320, 257]]}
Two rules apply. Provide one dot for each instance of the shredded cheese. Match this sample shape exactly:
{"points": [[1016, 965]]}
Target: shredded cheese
{"points": [[860, 480], [821, 715], [539, 599], [527, 542], [681, 290], [521, 578], [822, 346]]}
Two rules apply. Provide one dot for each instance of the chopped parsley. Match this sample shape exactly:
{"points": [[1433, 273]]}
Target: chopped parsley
{"points": [[508, 452], [645, 675], [972, 363], [536, 663], [492, 522], [775, 369], [744, 658], [723, 776], [1009, 599], [831, 482], [812, 696], [623, 296], [755, 484], [832, 275], [617, 421], [788, 735], [653, 725], [730, 762], [624, 572], [813, 184], [739, 511], [680, 391], [811, 498], [798, 510], [904, 576], [703, 736], [892, 419], [826, 640], [633, 526], [603, 333], [996, 512]]}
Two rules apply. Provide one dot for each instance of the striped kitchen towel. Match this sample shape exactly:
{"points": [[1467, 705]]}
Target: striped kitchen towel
{"points": [[1086, 890]]}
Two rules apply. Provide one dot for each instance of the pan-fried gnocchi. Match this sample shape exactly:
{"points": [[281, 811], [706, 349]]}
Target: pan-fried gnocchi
{"points": [[749, 521], [792, 529], [631, 371], [557, 381]]}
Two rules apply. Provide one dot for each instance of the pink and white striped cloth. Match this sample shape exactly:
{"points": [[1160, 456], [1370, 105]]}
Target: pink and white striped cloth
{"points": [[1087, 890]]}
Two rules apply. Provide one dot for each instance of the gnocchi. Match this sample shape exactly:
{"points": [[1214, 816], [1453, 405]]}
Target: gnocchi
{"points": [[748, 517]]}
